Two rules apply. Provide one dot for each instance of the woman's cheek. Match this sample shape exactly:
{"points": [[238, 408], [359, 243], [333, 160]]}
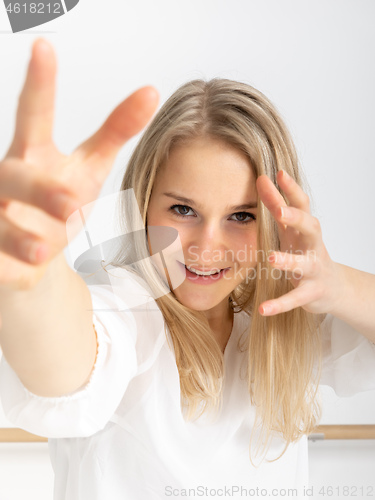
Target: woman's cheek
{"points": [[245, 249]]}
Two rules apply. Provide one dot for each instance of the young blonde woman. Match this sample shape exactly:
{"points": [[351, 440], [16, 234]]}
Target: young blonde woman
{"points": [[209, 388]]}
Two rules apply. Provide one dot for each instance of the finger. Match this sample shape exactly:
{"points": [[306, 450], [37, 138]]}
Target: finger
{"points": [[34, 122], [269, 194], [297, 297], [299, 265], [127, 119], [271, 198], [18, 183], [305, 223], [293, 192], [20, 244]]}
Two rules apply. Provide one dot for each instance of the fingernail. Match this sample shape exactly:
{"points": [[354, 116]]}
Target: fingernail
{"points": [[267, 309], [285, 212], [34, 251], [43, 45], [272, 258]]}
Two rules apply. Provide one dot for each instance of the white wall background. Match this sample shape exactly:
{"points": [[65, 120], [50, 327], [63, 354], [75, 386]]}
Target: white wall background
{"points": [[315, 60]]}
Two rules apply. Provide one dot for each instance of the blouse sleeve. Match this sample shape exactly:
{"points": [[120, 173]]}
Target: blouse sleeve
{"points": [[87, 410], [348, 364]]}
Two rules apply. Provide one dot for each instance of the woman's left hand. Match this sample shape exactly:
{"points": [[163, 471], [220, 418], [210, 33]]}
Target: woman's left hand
{"points": [[316, 278]]}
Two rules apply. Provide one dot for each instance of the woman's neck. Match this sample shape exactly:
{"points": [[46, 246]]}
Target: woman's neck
{"points": [[220, 319]]}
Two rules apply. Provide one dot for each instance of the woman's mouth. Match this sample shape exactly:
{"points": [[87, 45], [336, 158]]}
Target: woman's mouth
{"points": [[204, 277]]}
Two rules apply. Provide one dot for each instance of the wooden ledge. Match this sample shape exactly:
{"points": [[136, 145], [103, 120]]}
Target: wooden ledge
{"points": [[15, 435]]}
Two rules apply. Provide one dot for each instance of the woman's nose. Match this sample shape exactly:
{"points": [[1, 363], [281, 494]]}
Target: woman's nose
{"points": [[209, 242]]}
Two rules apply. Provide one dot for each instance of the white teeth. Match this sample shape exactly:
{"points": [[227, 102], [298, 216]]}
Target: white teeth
{"points": [[202, 273]]}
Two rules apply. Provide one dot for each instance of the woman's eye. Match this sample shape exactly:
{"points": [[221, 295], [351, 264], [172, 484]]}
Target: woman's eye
{"points": [[244, 217], [181, 210]]}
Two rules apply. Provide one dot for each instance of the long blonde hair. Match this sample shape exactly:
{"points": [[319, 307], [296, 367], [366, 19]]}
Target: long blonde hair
{"points": [[281, 350]]}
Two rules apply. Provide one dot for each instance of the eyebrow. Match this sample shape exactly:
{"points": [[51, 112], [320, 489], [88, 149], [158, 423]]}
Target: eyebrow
{"points": [[189, 201]]}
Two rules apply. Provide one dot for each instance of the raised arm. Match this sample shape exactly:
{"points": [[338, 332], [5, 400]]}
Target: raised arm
{"points": [[46, 331], [321, 285]]}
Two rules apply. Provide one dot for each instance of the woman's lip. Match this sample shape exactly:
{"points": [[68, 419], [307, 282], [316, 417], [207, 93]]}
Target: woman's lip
{"points": [[204, 279], [203, 270]]}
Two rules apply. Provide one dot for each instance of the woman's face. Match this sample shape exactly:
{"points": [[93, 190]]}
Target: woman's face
{"points": [[206, 191]]}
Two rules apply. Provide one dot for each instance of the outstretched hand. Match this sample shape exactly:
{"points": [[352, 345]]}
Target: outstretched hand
{"points": [[303, 255], [39, 186]]}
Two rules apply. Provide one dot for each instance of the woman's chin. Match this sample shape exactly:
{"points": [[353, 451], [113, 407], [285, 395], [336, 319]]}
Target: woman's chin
{"points": [[197, 301]]}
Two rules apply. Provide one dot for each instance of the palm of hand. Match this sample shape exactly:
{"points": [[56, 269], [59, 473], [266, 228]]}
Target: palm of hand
{"points": [[303, 255], [34, 172]]}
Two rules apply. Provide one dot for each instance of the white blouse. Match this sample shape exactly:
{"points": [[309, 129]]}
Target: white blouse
{"points": [[122, 436]]}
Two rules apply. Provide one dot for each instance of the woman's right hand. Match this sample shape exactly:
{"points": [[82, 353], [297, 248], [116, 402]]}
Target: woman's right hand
{"points": [[39, 186]]}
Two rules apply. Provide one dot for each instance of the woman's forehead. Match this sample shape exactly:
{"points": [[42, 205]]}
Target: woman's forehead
{"points": [[206, 172], [206, 160]]}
